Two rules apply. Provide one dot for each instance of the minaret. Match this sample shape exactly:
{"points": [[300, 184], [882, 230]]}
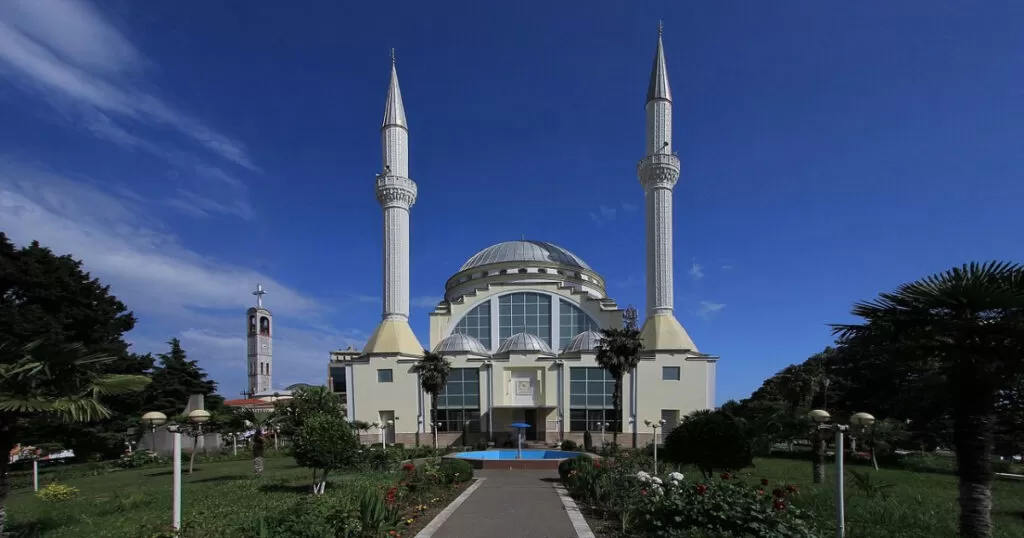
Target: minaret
{"points": [[658, 172], [396, 193], [260, 344]]}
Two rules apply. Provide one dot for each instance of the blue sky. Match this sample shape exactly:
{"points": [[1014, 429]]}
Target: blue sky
{"points": [[188, 150]]}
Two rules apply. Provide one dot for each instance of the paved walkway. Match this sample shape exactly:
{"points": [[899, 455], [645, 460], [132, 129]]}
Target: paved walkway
{"points": [[510, 504]]}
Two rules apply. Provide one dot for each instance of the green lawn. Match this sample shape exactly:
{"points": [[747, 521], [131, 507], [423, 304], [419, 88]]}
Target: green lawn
{"points": [[218, 499], [918, 504]]}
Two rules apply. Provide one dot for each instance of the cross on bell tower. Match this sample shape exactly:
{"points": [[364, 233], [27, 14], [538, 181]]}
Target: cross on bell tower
{"points": [[259, 341]]}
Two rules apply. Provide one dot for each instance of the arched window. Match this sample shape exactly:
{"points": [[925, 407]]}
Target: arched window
{"points": [[477, 323], [264, 326], [525, 312], [572, 321], [252, 324]]}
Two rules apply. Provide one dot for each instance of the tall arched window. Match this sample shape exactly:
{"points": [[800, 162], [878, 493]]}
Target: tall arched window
{"points": [[264, 326], [525, 312], [477, 323], [572, 321]]}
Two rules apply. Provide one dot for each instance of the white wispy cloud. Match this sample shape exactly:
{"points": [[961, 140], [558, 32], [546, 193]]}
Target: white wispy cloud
{"points": [[708, 309], [169, 286], [696, 271], [605, 213], [69, 55]]}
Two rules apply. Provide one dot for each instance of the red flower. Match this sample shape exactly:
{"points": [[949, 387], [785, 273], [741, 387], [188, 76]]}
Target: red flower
{"points": [[702, 488], [760, 492], [409, 467], [764, 481], [725, 476], [643, 492], [597, 464], [779, 505]]}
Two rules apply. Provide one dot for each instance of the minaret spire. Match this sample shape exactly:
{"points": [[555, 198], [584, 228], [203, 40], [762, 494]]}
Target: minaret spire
{"points": [[659, 172], [396, 193]]}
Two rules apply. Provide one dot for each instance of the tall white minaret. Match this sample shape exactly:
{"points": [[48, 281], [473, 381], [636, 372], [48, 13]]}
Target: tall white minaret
{"points": [[396, 193], [260, 345], [659, 172]]}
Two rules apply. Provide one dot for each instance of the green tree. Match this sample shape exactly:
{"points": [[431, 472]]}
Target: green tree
{"points": [[175, 379], [306, 402], [618, 352], [64, 383], [48, 300], [325, 443], [709, 440], [433, 370], [969, 320]]}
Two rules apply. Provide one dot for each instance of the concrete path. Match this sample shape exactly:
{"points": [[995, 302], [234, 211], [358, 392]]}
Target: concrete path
{"points": [[511, 504]]}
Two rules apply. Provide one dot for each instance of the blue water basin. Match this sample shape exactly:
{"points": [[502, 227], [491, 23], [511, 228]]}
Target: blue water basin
{"points": [[529, 454]]}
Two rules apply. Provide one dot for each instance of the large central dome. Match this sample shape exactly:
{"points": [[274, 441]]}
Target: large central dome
{"points": [[524, 251]]}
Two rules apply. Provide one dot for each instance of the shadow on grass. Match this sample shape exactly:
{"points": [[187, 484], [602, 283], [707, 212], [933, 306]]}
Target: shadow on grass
{"points": [[225, 478], [286, 488], [551, 480]]}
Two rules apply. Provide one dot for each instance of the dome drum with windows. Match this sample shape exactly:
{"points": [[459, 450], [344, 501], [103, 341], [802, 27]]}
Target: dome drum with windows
{"points": [[520, 324]]}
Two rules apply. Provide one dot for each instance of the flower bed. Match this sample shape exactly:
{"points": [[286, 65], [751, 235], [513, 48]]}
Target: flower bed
{"points": [[637, 503]]}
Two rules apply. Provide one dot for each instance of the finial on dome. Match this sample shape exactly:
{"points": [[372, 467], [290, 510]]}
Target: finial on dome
{"points": [[658, 88]]}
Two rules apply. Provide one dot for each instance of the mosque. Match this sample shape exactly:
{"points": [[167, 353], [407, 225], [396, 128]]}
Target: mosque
{"points": [[520, 323]]}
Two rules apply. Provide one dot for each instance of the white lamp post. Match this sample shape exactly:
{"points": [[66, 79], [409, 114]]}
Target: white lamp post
{"points": [[153, 419], [435, 427], [858, 421], [176, 487], [654, 428], [604, 426], [196, 417]]}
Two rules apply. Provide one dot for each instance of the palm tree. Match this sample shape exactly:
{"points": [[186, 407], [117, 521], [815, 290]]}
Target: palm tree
{"points": [[619, 352], [57, 382], [970, 321], [433, 370], [246, 418]]}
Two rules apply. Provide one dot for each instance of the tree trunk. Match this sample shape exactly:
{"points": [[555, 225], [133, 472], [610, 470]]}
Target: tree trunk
{"points": [[972, 439], [192, 458], [818, 458], [433, 417], [617, 409]]}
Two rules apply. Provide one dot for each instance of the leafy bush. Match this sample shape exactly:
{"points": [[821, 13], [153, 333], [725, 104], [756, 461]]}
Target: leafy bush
{"points": [[138, 458], [569, 445], [480, 445], [455, 470], [724, 507], [710, 440], [567, 466], [55, 492]]}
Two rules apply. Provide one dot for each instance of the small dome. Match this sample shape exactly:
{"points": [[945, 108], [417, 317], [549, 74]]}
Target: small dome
{"points": [[460, 343], [524, 251], [585, 341], [524, 342]]}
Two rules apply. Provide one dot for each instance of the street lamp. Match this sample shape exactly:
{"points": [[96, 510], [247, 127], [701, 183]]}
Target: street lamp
{"points": [[153, 419], [196, 417], [858, 422], [654, 428], [604, 426]]}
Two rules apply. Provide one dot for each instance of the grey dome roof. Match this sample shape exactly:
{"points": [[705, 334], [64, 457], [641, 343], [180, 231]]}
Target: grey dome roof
{"points": [[524, 342], [585, 341], [524, 251], [460, 343]]}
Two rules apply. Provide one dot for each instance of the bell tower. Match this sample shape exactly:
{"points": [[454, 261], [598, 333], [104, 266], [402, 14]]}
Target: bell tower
{"points": [[260, 345]]}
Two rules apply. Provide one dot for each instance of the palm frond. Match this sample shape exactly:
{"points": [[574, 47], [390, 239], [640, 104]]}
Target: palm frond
{"points": [[109, 385]]}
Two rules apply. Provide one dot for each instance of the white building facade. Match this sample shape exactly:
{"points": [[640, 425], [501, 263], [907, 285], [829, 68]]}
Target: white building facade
{"points": [[520, 323]]}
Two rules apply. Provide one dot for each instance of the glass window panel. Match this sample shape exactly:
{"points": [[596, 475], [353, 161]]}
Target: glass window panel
{"points": [[471, 400], [385, 376], [595, 387], [578, 374], [577, 387], [670, 373], [595, 400], [525, 312], [477, 323], [578, 400]]}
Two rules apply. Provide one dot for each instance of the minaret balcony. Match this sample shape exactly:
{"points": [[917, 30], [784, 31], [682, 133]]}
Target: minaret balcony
{"points": [[395, 191], [658, 169]]}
